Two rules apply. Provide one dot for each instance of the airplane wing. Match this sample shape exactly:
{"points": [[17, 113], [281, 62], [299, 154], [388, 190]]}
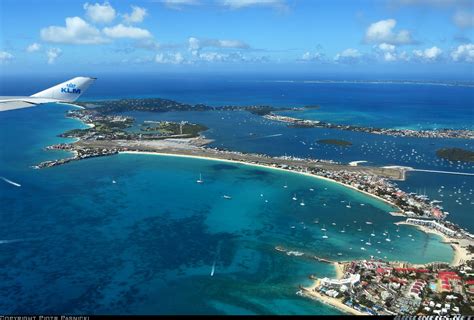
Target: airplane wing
{"points": [[67, 91]]}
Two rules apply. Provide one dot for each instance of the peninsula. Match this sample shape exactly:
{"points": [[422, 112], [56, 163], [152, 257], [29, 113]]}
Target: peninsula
{"points": [[268, 112]]}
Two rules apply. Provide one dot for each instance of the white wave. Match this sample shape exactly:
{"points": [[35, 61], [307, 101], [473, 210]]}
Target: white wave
{"points": [[10, 182]]}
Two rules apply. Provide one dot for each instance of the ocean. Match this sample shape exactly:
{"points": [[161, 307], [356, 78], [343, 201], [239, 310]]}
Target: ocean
{"points": [[76, 242]]}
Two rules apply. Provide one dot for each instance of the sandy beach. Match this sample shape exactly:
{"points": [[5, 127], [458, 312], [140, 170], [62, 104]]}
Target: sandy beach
{"points": [[267, 167], [461, 254], [310, 292]]}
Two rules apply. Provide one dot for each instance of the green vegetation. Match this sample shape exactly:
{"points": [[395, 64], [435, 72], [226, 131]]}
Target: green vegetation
{"points": [[455, 154], [336, 142], [167, 128]]}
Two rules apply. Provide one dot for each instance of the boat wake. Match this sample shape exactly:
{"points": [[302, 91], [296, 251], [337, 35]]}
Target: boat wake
{"points": [[11, 182]]}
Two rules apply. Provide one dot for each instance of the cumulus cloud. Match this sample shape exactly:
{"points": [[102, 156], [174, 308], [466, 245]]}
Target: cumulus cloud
{"points": [[53, 54], [388, 52], [76, 31], [33, 47], [122, 31], [195, 44], [100, 13], [5, 57], [428, 55], [239, 4], [137, 15], [383, 32], [463, 53], [463, 19], [311, 56], [349, 55], [170, 58]]}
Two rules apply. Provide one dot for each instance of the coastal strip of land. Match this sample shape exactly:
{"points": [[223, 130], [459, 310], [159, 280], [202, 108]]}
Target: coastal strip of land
{"points": [[438, 133]]}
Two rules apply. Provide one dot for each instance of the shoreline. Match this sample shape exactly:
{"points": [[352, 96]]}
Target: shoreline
{"points": [[267, 167], [311, 293], [460, 253]]}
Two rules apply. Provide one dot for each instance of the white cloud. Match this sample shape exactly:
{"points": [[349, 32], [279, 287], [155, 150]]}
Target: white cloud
{"points": [[464, 53], [137, 15], [5, 57], [76, 31], [100, 13], [121, 31], [382, 32], [388, 52], [387, 47], [170, 58], [308, 56], [33, 47], [463, 19], [195, 44], [429, 55], [349, 55], [238, 4], [53, 54], [178, 4]]}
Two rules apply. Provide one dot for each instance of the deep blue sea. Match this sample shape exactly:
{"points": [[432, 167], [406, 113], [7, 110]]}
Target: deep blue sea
{"points": [[75, 242]]}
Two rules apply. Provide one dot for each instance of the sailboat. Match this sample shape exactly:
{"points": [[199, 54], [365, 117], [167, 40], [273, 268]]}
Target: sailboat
{"points": [[286, 185], [302, 202], [343, 230], [294, 197], [368, 243], [388, 238], [349, 205], [373, 233], [325, 235], [200, 179], [213, 268], [323, 228]]}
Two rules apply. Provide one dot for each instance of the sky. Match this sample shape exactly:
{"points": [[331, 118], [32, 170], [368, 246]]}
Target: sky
{"points": [[428, 38]]}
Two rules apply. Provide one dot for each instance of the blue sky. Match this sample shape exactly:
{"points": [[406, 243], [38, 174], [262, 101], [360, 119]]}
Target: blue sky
{"points": [[403, 37]]}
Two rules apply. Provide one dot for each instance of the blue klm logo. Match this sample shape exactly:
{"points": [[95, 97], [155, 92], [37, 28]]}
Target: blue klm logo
{"points": [[71, 88]]}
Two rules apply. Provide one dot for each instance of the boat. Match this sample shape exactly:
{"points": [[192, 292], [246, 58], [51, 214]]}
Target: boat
{"points": [[316, 221], [302, 202], [200, 179], [311, 189], [286, 185], [213, 268], [343, 230], [325, 235], [294, 197], [368, 222], [226, 197], [113, 181]]}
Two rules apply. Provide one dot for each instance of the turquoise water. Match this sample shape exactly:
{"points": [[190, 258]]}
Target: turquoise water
{"points": [[78, 243]]}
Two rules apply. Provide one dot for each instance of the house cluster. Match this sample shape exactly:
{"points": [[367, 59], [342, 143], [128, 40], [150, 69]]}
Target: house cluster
{"points": [[391, 288], [441, 133]]}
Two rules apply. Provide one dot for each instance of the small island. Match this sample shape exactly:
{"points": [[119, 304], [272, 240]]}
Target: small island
{"points": [[455, 154], [335, 142]]}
